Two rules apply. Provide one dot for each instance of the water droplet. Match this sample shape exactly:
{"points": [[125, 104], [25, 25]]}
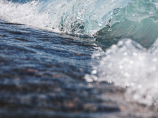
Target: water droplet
{"points": [[121, 67], [94, 72], [134, 54]]}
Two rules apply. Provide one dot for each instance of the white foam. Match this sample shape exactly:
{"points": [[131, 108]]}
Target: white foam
{"points": [[72, 16], [127, 64], [27, 13]]}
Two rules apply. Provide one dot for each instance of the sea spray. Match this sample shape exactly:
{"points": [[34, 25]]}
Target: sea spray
{"points": [[129, 65]]}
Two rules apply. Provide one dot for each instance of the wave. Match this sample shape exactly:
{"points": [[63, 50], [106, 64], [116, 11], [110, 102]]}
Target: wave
{"points": [[71, 16], [138, 21], [129, 63], [108, 21]]}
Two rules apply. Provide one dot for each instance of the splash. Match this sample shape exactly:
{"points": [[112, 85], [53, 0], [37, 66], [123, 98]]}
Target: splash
{"points": [[71, 16], [128, 64]]}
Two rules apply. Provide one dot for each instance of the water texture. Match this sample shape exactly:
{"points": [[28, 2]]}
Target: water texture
{"points": [[76, 59]]}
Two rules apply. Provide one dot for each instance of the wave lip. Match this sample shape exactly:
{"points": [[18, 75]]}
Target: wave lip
{"points": [[138, 21]]}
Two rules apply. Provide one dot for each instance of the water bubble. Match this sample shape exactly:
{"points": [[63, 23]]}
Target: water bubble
{"points": [[126, 74], [120, 43], [125, 53], [131, 62], [126, 84], [132, 84], [139, 86], [121, 67], [134, 54], [94, 72], [100, 24]]}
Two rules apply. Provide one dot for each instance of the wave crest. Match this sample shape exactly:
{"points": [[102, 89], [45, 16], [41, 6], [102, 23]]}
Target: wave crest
{"points": [[71, 16], [138, 21]]}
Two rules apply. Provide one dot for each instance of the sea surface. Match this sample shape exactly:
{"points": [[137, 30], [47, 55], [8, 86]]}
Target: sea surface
{"points": [[78, 59]]}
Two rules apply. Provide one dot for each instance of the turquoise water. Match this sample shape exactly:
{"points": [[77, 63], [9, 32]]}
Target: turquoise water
{"points": [[138, 21]]}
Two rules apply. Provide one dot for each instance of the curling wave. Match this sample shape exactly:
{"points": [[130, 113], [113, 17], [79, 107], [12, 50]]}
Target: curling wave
{"points": [[71, 16], [138, 21]]}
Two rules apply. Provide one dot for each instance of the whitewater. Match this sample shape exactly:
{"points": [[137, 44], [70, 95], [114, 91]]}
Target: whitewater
{"points": [[71, 16], [125, 32]]}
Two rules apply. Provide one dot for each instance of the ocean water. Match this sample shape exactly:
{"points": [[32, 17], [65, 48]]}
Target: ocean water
{"points": [[58, 57]]}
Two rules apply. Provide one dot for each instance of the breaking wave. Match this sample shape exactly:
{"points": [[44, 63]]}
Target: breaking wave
{"points": [[71, 16]]}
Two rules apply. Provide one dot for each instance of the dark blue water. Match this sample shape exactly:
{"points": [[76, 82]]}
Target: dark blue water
{"points": [[42, 75]]}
